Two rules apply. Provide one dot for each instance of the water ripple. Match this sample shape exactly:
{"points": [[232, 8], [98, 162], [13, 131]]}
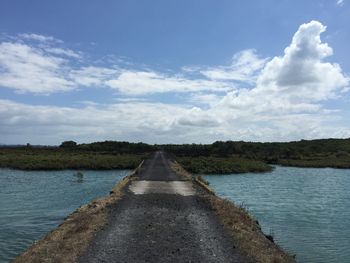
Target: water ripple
{"points": [[33, 203]]}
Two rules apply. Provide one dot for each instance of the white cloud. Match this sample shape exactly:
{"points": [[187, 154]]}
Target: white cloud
{"points": [[48, 124], [133, 99], [340, 2], [245, 65], [46, 69], [153, 123], [150, 82], [198, 118], [40, 38], [295, 81], [202, 98], [28, 69], [92, 76], [65, 52], [301, 73], [286, 102]]}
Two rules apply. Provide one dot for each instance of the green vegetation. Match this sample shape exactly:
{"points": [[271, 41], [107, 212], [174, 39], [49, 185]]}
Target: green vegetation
{"points": [[315, 153], [318, 162], [56, 159], [219, 157], [219, 165]]}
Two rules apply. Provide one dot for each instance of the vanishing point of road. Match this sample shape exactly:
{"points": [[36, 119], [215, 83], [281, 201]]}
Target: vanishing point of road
{"points": [[161, 219]]}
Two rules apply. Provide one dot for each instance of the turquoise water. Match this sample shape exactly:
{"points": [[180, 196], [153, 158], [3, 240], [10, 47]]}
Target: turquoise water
{"points": [[306, 210], [33, 203]]}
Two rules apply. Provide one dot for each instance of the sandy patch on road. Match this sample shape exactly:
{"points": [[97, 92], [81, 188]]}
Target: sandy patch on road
{"points": [[162, 187]]}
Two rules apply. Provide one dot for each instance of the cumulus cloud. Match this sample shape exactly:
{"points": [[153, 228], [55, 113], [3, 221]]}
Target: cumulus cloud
{"points": [[295, 81], [302, 72]]}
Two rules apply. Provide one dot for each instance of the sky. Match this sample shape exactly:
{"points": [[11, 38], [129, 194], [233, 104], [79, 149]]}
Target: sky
{"points": [[180, 71]]}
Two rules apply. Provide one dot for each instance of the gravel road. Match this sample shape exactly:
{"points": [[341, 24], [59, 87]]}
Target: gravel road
{"points": [[150, 225]]}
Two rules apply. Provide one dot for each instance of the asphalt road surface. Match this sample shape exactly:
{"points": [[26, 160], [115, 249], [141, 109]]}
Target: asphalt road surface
{"points": [[161, 219]]}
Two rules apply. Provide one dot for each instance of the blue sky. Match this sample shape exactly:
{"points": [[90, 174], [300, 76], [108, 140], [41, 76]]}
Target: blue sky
{"points": [[173, 71]]}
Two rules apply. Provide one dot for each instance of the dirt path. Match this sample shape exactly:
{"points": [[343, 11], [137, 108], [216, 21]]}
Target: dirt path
{"points": [[161, 219]]}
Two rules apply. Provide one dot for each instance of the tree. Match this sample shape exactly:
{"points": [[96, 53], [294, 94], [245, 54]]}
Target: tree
{"points": [[68, 144]]}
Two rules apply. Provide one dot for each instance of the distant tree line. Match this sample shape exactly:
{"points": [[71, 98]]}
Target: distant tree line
{"points": [[269, 152], [257, 150], [109, 146], [219, 157]]}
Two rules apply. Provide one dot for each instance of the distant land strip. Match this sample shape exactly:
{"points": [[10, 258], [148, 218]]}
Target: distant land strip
{"points": [[217, 158]]}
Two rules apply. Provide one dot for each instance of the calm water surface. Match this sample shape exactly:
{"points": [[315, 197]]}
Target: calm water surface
{"points": [[307, 210], [33, 203]]}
